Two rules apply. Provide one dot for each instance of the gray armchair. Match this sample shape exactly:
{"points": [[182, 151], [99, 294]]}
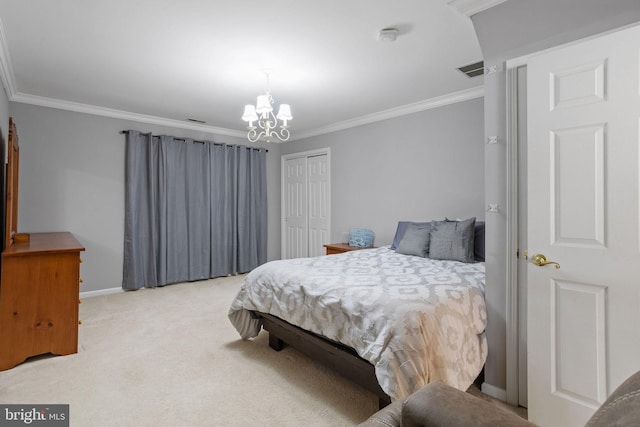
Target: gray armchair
{"points": [[439, 405]]}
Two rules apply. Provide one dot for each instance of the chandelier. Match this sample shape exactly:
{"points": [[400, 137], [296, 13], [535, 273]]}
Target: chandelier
{"points": [[262, 112]]}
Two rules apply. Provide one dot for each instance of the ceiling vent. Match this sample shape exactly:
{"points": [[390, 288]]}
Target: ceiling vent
{"points": [[473, 70]]}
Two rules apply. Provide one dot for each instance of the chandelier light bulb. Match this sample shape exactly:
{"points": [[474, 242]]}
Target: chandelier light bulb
{"points": [[263, 104], [285, 112], [250, 114]]}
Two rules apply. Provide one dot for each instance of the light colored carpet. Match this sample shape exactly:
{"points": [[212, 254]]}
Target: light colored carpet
{"points": [[170, 357]]}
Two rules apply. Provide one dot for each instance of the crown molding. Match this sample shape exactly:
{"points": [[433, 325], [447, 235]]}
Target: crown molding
{"points": [[471, 7], [6, 69], [440, 101], [124, 115], [452, 98]]}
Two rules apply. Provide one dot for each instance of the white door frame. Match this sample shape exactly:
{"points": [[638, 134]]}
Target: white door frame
{"points": [[513, 223], [319, 152]]}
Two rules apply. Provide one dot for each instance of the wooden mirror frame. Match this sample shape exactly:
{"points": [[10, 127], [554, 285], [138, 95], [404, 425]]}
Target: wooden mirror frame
{"points": [[13, 172]]}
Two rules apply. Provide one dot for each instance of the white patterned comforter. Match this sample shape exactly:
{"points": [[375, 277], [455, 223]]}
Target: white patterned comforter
{"points": [[415, 319]]}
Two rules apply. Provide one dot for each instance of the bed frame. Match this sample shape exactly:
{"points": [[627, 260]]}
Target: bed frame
{"points": [[342, 359]]}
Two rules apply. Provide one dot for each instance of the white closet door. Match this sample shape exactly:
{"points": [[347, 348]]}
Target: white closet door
{"points": [[306, 206], [318, 204], [296, 229]]}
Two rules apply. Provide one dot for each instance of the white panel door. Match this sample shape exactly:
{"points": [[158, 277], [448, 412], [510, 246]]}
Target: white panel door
{"points": [[295, 210], [306, 201], [583, 190], [318, 191]]}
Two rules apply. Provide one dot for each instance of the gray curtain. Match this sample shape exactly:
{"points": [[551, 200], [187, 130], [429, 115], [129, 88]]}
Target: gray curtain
{"points": [[193, 210]]}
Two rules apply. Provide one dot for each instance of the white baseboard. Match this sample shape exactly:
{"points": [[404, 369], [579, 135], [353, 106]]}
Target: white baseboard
{"points": [[109, 291], [495, 392]]}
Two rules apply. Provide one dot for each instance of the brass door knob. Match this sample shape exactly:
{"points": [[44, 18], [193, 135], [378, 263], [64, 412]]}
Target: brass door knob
{"points": [[540, 260]]}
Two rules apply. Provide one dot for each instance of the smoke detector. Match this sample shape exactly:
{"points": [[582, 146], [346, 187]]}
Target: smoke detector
{"points": [[388, 35]]}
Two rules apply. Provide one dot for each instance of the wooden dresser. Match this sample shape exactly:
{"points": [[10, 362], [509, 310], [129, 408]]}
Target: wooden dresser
{"points": [[39, 289]]}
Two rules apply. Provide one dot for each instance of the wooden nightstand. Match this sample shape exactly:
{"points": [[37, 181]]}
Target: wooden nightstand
{"points": [[338, 248]]}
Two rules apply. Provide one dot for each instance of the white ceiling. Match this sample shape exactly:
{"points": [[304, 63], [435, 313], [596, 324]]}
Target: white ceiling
{"points": [[165, 60]]}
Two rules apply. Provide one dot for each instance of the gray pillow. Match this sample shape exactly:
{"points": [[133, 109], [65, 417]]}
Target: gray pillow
{"points": [[415, 240], [452, 240], [400, 230]]}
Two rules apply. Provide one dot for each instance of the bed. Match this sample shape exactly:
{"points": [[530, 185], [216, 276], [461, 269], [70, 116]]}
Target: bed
{"points": [[391, 318]]}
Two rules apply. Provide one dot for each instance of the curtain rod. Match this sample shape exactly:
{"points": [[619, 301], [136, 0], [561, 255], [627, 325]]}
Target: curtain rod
{"points": [[200, 142]]}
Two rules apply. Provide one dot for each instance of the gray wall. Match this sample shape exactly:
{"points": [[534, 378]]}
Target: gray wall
{"points": [[72, 179], [421, 166], [510, 30]]}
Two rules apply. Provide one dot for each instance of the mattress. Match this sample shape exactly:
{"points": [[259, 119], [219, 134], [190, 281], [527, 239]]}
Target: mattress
{"points": [[415, 319]]}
